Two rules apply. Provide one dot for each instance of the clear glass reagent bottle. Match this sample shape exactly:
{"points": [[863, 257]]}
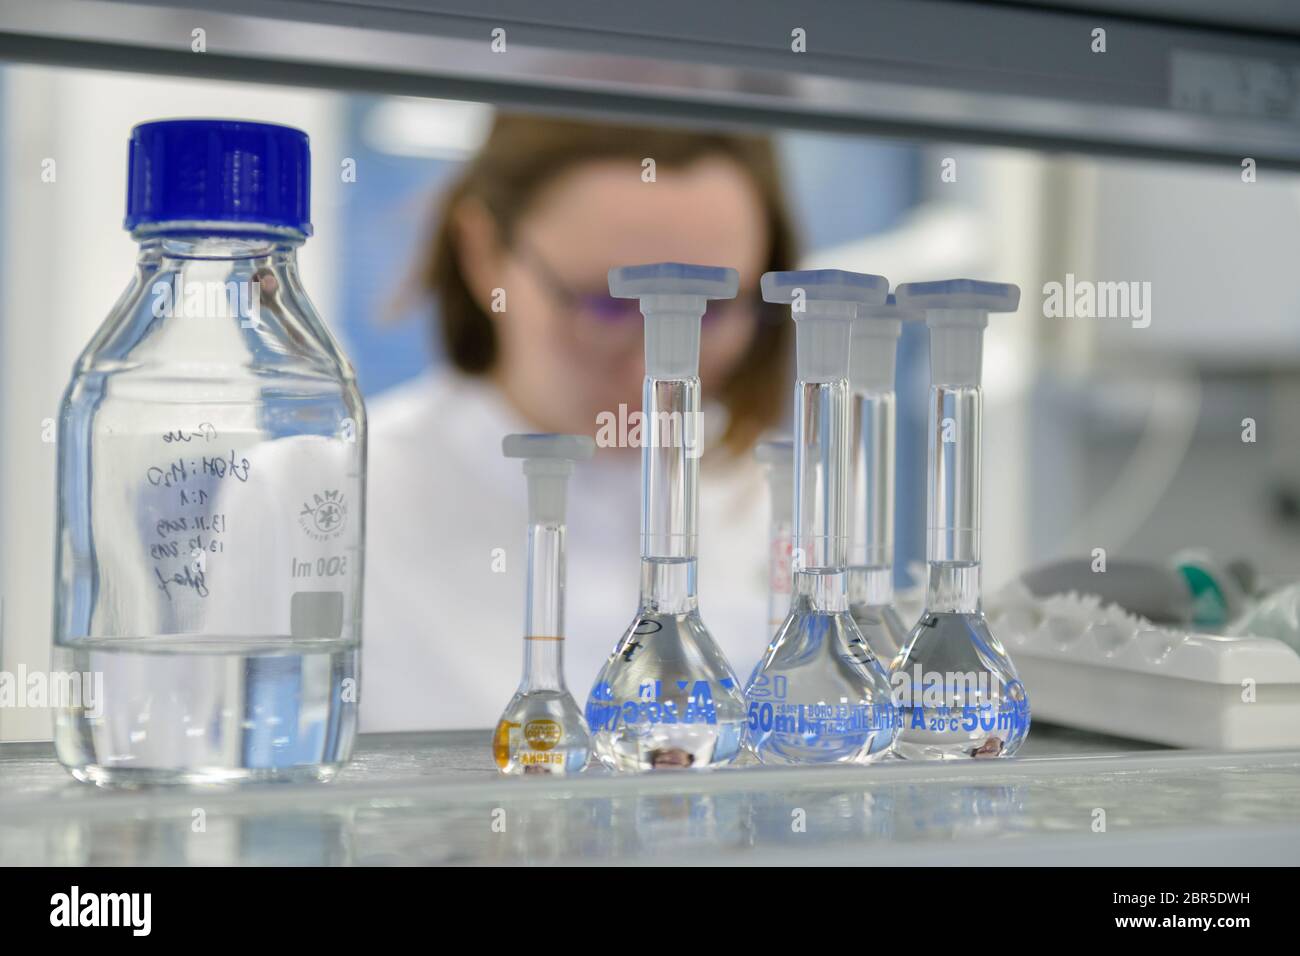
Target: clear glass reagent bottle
{"points": [[667, 697], [957, 689], [211, 484], [819, 695], [542, 731]]}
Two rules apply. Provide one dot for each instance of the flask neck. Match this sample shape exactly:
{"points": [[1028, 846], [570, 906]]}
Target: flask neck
{"points": [[953, 588], [953, 539], [668, 585], [544, 609], [871, 478], [954, 474], [820, 589], [671, 439], [780, 572], [871, 586], [820, 540]]}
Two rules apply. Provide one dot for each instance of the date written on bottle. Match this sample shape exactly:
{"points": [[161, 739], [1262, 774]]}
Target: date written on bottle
{"points": [[204, 529]]}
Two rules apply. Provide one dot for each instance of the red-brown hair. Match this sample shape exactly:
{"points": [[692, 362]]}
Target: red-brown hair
{"points": [[522, 155]]}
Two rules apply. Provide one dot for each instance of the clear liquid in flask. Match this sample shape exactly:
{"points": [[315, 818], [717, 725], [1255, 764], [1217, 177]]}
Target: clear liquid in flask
{"points": [[819, 695], [541, 732], [958, 692], [666, 698], [883, 629]]}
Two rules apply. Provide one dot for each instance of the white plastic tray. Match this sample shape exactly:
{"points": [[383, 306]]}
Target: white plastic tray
{"points": [[1098, 668]]}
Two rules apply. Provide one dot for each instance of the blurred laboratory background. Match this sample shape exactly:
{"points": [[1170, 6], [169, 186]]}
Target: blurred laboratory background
{"points": [[1140, 437]]}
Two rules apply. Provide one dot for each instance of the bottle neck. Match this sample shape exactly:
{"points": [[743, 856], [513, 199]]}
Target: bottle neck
{"points": [[186, 245], [544, 608], [953, 532], [671, 444], [246, 277]]}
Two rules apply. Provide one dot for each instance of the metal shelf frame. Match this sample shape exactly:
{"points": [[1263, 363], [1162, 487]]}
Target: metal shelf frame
{"points": [[1020, 74]]}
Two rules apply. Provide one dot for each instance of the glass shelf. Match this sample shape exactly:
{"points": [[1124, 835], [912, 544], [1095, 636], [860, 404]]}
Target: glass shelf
{"points": [[433, 798]]}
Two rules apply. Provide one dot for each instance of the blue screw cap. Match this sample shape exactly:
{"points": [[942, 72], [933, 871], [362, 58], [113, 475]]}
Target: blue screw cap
{"points": [[217, 171]]}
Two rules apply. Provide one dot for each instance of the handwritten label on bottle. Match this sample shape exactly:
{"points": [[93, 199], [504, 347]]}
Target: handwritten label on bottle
{"points": [[187, 530]]}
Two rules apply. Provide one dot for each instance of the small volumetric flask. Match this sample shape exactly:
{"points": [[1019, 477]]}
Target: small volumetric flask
{"points": [[542, 730], [211, 483], [777, 459], [667, 698], [957, 689], [819, 695], [872, 354]]}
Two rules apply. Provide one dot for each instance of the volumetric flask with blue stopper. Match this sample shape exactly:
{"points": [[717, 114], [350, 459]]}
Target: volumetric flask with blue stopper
{"points": [[667, 698], [819, 695], [957, 689], [871, 476]]}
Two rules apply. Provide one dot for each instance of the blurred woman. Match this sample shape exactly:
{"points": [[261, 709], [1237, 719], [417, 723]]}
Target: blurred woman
{"points": [[533, 342]]}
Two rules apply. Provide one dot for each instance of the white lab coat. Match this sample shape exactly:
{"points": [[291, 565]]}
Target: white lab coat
{"points": [[442, 643]]}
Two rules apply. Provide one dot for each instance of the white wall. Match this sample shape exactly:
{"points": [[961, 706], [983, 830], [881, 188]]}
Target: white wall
{"points": [[1220, 254], [1160, 465], [66, 259]]}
